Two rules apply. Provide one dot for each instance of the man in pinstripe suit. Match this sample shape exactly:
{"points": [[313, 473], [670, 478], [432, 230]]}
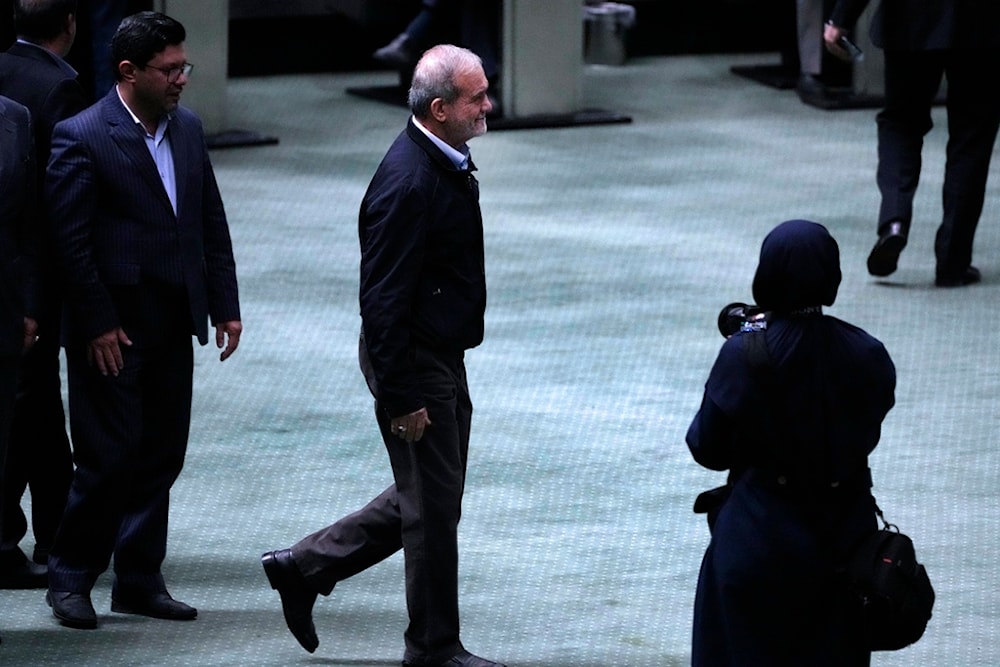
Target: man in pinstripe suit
{"points": [[143, 242]]}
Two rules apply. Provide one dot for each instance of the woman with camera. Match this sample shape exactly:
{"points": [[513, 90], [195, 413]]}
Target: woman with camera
{"points": [[791, 409]]}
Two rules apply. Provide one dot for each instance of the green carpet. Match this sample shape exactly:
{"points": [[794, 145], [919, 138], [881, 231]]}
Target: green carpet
{"points": [[610, 250]]}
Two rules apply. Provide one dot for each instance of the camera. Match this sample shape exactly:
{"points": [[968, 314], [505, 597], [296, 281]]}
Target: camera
{"points": [[738, 317]]}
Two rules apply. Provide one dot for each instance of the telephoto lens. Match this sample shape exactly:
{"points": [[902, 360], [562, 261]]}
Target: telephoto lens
{"points": [[739, 317]]}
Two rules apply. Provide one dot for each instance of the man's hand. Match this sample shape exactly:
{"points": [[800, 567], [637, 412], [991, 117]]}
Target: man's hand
{"points": [[30, 333], [105, 351], [410, 427], [227, 335], [831, 39]]}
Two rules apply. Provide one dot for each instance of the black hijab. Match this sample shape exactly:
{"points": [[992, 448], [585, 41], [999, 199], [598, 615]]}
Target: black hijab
{"points": [[799, 268]]}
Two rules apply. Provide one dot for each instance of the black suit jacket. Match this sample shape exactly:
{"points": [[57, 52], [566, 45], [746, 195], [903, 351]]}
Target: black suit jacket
{"points": [[37, 78], [923, 25], [128, 259], [18, 242], [34, 77]]}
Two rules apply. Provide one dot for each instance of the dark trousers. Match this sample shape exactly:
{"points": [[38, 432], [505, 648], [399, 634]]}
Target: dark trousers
{"points": [[419, 514], [129, 439], [912, 80], [39, 455], [8, 389]]}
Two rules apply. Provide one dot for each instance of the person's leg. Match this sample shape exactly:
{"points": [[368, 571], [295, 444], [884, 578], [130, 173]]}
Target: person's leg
{"points": [[430, 481], [481, 34], [8, 390], [973, 119], [105, 16], [154, 465], [809, 21], [352, 544], [911, 83], [106, 428], [38, 453], [437, 21], [38, 436]]}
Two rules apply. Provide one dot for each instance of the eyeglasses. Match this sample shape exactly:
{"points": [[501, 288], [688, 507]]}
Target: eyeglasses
{"points": [[174, 73]]}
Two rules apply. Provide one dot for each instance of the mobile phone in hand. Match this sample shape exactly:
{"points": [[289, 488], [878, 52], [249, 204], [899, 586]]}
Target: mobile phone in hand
{"points": [[853, 49]]}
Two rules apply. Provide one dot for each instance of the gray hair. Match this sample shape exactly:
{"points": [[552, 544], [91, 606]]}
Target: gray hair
{"points": [[434, 76]]}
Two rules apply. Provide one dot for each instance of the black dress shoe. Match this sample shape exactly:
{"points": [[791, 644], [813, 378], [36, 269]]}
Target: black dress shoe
{"points": [[464, 659], [397, 53], [154, 605], [297, 599], [74, 610], [970, 276], [885, 255], [24, 575]]}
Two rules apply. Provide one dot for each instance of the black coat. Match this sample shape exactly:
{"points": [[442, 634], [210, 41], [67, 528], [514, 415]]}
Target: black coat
{"points": [[18, 239], [794, 429], [422, 264], [37, 79], [34, 77]]}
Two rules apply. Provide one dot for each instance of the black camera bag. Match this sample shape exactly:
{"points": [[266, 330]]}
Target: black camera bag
{"points": [[892, 588]]}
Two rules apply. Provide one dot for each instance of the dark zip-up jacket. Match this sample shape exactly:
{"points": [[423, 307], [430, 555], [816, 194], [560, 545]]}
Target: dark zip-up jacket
{"points": [[423, 279]]}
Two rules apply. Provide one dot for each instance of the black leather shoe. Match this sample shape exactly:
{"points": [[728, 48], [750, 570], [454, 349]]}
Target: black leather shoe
{"points": [[970, 276], [74, 610], [154, 605], [24, 575], [297, 599], [885, 255], [397, 53], [464, 659]]}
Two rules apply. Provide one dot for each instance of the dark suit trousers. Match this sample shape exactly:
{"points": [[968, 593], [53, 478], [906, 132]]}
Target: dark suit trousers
{"points": [[129, 439], [418, 513], [912, 79], [8, 390], [39, 455]]}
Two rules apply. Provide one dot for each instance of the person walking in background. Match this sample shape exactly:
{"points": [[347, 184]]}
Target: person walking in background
{"points": [[792, 410], [423, 297], [924, 40], [18, 245], [103, 17], [474, 24], [33, 72], [142, 240]]}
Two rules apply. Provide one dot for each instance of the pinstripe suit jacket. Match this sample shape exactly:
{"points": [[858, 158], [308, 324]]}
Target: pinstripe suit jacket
{"points": [[127, 259], [18, 243]]}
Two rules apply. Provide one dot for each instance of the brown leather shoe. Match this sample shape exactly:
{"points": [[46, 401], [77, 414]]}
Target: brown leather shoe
{"points": [[154, 605], [297, 599]]}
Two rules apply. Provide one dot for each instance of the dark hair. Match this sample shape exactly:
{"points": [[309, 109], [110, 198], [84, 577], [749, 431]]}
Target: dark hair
{"points": [[141, 36], [41, 20]]}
